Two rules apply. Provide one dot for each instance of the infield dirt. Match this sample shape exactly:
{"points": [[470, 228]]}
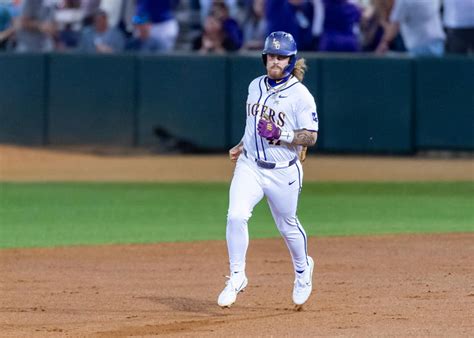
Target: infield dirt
{"points": [[402, 285]]}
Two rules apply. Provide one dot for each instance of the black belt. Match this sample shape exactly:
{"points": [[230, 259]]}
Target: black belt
{"points": [[271, 165]]}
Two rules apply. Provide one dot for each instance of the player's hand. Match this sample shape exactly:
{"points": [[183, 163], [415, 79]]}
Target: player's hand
{"points": [[235, 152], [268, 129]]}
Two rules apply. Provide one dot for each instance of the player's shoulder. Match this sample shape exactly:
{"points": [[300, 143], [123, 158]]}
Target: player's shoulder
{"points": [[301, 90], [256, 82]]}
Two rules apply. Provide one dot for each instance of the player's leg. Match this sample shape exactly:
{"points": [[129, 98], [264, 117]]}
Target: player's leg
{"points": [[245, 192], [283, 201], [282, 195]]}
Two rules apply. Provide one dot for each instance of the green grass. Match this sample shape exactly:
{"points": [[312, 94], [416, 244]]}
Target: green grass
{"points": [[52, 214]]}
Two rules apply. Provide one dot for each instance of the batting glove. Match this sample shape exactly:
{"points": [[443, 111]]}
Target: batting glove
{"points": [[268, 130]]}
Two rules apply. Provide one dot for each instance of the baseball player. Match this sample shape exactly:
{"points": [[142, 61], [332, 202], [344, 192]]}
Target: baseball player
{"points": [[281, 120]]}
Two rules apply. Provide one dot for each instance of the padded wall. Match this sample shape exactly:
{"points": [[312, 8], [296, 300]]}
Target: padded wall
{"points": [[186, 96], [367, 104], [92, 99], [445, 103], [22, 99]]}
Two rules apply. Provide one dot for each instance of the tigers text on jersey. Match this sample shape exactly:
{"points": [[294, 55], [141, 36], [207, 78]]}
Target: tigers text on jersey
{"points": [[289, 105]]}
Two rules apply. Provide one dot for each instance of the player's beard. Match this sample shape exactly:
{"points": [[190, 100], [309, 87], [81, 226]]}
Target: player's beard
{"points": [[275, 72]]}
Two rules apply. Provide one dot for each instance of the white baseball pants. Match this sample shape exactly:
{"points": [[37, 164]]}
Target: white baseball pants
{"points": [[281, 187]]}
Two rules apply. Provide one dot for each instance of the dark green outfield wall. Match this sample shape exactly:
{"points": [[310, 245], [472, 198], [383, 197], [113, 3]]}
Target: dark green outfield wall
{"points": [[365, 104], [444, 103], [185, 95], [91, 100], [23, 87]]}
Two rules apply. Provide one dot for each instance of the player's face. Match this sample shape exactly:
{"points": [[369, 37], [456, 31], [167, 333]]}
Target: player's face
{"points": [[275, 65]]}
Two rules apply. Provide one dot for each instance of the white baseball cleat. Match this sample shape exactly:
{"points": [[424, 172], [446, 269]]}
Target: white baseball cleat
{"points": [[236, 283], [303, 284]]}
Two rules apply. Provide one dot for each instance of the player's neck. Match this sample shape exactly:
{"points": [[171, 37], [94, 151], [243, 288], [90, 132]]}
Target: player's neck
{"points": [[277, 82]]}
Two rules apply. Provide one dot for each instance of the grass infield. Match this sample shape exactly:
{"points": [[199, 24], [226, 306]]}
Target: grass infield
{"points": [[56, 214]]}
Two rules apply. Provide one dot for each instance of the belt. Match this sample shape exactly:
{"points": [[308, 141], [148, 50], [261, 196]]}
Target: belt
{"points": [[271, 165]]}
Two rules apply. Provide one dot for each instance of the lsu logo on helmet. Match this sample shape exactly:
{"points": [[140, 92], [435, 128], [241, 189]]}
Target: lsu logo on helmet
{"points": [[276, 43]]}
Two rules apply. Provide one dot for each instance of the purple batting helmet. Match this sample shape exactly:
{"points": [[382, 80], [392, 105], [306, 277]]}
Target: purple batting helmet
{"points": [[281, 43]]}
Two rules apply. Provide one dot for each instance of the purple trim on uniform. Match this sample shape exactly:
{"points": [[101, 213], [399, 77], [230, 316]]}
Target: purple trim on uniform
{"points": [[288, 87], [274, 83], [261, 138], [255, 118], [298, 225], [266, 83], [299, 176]]}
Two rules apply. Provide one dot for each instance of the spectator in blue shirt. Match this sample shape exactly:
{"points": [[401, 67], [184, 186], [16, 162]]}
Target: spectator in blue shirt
{"points": [[280, 16], [142, 41], [164, 26], [99, 38], [292, 16], [340, 20]]}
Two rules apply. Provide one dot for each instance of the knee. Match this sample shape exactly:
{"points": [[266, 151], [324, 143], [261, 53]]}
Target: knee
{"points": [[235, 219]]}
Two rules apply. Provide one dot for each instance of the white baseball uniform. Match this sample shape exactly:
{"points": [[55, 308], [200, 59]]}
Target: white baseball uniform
{"points": [[270, 168]]}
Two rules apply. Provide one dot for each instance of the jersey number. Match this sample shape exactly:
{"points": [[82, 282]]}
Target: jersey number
{"points": [[274, 142]]}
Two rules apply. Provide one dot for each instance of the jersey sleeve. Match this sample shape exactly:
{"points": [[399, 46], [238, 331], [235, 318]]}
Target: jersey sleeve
{"points": [[307, 115]]}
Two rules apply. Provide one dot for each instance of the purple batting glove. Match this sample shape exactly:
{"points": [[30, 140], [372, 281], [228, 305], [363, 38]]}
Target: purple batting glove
{"points": [[268, 130]]}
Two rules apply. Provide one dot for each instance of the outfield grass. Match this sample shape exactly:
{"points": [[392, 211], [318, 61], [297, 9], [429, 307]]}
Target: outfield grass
{"points": [[52, 214]]}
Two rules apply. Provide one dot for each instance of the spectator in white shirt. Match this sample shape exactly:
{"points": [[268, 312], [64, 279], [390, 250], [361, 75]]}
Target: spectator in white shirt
{"points": [[420, 25]]}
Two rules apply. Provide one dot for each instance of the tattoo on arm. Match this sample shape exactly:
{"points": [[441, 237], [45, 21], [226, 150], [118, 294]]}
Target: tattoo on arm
{"points": [[305, 138]]}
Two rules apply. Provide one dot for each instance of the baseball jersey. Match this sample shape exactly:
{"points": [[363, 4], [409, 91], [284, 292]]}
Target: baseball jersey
{"points": [[289, 105]]}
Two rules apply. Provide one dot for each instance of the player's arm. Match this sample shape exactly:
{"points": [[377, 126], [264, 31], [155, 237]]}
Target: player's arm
{"points": [[235, 151], [32, 24], [269, 130], [303, 137]]}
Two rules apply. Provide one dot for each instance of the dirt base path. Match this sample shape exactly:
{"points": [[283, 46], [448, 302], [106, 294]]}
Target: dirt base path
{"points": [[418, 285], [43, 164], [364, 286]]}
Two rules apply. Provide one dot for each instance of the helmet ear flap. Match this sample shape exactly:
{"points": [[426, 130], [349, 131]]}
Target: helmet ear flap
{"points": [[264, 58], [291, 65]]}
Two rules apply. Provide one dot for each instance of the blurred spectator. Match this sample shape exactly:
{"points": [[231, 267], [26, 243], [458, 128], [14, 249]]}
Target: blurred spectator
{"points": [[164, 26], [233, 33], [373, 22], [318, 22], [420, 25], [6, 26], [254, 26], [292, 16], [36, 29], [304, 11], [113, 8], [213, 38], [68, 38], [206, 8], [68, 19], [89, 8], [341, 18], [280, 16], [99, 38], [142, 41], [459, 24]]}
